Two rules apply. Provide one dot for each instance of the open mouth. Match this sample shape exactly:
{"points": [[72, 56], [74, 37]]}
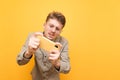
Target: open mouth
{"points": [[50, 35]]}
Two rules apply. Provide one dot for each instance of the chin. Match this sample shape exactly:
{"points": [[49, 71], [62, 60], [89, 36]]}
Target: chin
{"points": [[50, 38]]}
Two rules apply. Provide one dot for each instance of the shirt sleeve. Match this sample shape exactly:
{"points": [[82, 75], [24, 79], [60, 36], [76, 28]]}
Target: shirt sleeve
{"points": [[64, 59], [21, 60]]}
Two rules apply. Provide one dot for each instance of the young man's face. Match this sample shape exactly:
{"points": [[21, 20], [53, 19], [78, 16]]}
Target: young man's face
{"points": [[52, 29]]}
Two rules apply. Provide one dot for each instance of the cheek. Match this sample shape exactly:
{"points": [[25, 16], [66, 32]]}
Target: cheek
{"points": [[57, 34], [47, 29]]}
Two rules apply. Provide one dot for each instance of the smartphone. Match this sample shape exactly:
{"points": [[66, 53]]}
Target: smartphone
{"points": [[48, 45]]}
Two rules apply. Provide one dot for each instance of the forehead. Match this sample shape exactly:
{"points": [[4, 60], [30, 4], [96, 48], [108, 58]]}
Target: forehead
{"points": [[54, 22]]}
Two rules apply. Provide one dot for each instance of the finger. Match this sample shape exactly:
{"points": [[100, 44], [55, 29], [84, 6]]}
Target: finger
{"points": [[36, 43], [53, 57], [35, 39], [52, 52], [55, 52], [38, 34], [33, 45]]}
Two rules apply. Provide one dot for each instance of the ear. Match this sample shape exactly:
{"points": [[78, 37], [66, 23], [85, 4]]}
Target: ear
{"points": [[44, 25]]}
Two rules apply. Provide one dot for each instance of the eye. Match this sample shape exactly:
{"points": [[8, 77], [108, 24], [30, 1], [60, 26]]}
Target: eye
{"points": [[51, 26], [57, 29]]}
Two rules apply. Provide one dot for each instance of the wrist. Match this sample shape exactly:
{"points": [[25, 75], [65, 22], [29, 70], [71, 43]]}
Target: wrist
{"points": [[57, 63], [27, 55]]}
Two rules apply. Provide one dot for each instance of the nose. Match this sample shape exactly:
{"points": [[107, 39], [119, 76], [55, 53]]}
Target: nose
{"points": [[53, 29]]}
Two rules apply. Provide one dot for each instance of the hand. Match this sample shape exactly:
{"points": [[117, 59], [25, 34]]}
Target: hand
{"points": [[33, 44], [54, 55], [54, 58]]}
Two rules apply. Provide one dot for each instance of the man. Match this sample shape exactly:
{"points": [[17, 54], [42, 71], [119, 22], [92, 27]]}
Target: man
{"points": [[48, 65]]}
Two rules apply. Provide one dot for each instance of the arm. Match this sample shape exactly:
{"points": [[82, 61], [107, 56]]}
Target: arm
{"points": [[64, 59], [21, 58], [60, 60], [29, 48]]}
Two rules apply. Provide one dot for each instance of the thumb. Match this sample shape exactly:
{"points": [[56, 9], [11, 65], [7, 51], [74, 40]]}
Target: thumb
{"points": [[38, 34]]}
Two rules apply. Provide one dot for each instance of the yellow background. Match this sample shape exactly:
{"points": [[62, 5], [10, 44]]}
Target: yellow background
{"points": [[93, 31]]}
